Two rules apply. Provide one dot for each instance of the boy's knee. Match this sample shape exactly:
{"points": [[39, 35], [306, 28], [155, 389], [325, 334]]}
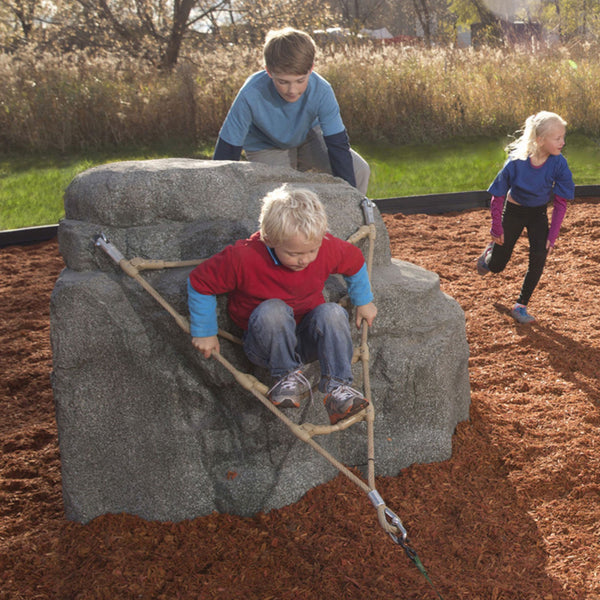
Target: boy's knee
{"points": [[272, 312], [332, 314]]}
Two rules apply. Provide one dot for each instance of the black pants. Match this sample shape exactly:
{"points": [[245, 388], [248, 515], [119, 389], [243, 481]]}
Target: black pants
{"points": [[515, 218]]}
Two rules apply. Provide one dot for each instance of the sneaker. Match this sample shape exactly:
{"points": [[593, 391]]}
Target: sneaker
{"points": [[289, 390], [519, 313], [482, 261], [343, 402]]}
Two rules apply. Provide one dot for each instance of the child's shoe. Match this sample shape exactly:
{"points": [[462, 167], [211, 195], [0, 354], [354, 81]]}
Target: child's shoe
{"points": [[344, 402], [519, 313], [289, 390], [482, 261]]}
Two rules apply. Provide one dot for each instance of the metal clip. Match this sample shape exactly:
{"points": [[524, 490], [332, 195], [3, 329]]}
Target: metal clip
{"points": [[101, 241], [367, 208], [397, 523], [375, 498]]}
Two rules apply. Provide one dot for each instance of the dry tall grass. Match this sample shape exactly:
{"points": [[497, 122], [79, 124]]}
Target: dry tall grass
{"points": [[396, 94]]}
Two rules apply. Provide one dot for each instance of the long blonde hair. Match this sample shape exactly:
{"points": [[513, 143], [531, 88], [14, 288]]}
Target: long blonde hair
{"points": [[536, 126]]}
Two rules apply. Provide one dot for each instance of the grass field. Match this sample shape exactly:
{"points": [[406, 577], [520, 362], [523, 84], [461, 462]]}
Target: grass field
{"points": [[32, 188], [460, 166]]}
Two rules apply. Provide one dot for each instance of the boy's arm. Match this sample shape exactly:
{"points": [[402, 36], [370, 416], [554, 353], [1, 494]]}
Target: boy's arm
{"points": [[359, 290], [203, 321], [206, 345], [338, 149], [359, 287], [226, 151], [368, 312]]}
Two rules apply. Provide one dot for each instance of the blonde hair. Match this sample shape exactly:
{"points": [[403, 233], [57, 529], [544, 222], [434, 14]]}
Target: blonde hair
{"points": [[289, 51], [536, 126], [287, 212]]}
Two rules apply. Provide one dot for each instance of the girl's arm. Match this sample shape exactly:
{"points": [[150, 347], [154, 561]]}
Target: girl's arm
{"points": [[496, 207], [558, 214]]}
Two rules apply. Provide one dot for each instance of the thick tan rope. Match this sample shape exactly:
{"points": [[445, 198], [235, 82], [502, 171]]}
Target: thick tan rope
{"points": [[305, 431]]}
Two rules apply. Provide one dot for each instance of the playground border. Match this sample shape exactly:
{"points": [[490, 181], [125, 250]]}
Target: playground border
{"points": [[429, 204]]}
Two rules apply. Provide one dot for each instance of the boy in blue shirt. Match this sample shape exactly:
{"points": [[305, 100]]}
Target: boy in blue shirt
{"points": [[288, 115]]}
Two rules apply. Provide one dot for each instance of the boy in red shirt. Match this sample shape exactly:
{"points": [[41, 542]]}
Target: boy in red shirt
{"points": [[274, 281]]}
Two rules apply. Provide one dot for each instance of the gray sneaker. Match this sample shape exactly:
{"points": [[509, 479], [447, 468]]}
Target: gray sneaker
{"points": [[289, 390], [344, 402], [483, 260]]}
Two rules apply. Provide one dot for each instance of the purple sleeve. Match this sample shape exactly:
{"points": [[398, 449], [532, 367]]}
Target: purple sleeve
{"points": [[558, 214], [496, 207]]}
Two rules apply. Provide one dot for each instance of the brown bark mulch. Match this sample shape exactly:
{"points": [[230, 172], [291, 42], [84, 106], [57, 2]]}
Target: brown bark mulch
{"points": [[514, 514]]}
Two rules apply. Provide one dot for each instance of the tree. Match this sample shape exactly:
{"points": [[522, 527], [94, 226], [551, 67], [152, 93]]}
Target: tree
{"points": [[154, 28], [358, 14], [251, 19], [424, 16], [23, 13]]}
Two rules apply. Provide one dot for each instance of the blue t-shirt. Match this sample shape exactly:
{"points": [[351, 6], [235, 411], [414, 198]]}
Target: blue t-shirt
{"points": [[534, 186], [260, 118]]}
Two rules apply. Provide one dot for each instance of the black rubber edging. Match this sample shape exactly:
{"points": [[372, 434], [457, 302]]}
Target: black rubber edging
{"points": [[435, 204], [27, 235], [429, 204]]}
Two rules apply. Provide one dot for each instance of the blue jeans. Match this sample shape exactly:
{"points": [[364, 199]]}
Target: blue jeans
{"points": [[273, 340]]}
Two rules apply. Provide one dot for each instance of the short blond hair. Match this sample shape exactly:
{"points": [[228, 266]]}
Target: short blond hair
{"points": [[287, 212], [289, 51]]}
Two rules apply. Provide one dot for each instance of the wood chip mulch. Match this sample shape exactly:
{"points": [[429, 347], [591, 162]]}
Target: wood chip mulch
{"points": [[513, 515]]}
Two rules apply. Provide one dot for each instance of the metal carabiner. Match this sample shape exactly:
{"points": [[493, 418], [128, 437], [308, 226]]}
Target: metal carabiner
{"points": [[101, 241], [367, 208], [397, 523]]}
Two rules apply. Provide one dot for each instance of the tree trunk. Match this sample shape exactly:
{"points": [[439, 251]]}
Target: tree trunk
{"points": [[181, 13]]}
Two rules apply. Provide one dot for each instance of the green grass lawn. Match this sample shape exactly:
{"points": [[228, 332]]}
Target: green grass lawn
{"points": [[460, 166], [32, 188]]}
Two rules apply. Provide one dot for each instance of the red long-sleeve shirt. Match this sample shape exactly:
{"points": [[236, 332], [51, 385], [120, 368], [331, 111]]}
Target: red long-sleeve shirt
{"points": [[248, 273]]}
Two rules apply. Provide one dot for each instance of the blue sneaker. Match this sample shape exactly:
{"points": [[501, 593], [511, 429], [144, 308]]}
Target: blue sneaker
{"points": [[482, 261], [519, 313]]}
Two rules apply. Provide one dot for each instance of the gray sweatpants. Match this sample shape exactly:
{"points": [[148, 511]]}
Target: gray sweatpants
{"points": [[312, 155]]}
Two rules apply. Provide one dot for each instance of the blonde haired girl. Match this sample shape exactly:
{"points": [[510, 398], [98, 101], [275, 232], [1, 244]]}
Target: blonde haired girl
{"points": [[534, 174]]}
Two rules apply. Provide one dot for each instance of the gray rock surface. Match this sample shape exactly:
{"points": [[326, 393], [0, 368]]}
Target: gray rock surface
{"points": [[148, 427]]}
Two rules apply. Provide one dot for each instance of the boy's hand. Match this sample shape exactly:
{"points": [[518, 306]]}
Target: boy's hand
{"points": [[206, 345], [366, 312]]}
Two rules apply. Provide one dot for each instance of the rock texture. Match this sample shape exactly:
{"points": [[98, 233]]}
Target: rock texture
{"points": [[147, 426]]}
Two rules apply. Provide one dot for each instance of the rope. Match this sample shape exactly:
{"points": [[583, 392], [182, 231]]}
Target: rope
{"points": [[388, 520]]}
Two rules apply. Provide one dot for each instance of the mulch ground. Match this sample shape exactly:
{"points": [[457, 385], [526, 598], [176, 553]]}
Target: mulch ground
{"points": [[513, 515]]}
